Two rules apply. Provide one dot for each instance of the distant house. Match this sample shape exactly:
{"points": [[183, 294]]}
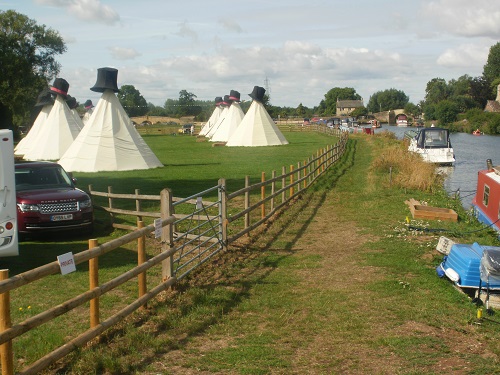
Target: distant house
{"points": [[346, 107]]}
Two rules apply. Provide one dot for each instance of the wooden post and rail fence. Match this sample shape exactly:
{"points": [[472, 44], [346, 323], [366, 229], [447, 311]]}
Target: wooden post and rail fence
{"points": [[217, 225]]}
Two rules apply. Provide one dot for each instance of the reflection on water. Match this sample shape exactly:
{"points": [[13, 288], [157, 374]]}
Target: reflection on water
{"points": [[471, 153]]}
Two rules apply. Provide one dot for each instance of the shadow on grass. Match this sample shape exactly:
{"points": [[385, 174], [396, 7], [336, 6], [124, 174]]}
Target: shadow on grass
{"points": [[220, 286]]}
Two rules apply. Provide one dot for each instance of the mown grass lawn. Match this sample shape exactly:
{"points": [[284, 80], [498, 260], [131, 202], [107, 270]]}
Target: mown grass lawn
{"points": [[337, 284]]}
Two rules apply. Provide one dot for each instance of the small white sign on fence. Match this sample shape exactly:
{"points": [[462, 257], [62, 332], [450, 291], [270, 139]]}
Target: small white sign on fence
{"points": [[66, 263], [199, 203], [158, 228]]}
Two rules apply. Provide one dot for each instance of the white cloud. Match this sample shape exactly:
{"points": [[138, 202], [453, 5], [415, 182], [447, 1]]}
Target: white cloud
{"points": [[86, 10], [465, 17], [464, 56], [120, 53]]}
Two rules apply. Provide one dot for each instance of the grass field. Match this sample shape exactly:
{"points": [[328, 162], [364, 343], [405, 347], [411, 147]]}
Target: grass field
{"points": [[191, 166], [337, 284]]}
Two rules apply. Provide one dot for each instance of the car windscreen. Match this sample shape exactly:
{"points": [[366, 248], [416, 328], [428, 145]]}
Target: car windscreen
{"points": [[37, 178]]}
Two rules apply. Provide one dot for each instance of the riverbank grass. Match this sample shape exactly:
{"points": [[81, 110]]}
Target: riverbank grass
{"points": [[343, 281]]}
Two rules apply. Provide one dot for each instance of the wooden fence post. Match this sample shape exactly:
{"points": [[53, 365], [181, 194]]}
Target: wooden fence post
{"points": [[6, 353], [110, 203], [263, 196], [94, 283], [223, 211], [318, 164], [167, 234], [138, 203], [273, 189], [247, 204], [323, 160], [141, 258], [298, 176], [304, 174], [292, 190], [283, 184]]}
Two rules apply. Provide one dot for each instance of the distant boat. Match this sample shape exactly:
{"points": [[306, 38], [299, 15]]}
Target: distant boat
{"points": [[486, 202], [401, 120], [477, 132], [433, 144]]}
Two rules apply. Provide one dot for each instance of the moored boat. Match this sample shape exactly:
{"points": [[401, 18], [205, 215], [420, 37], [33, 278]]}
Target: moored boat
{"points": [[402, 120], [486, 202], [463, 265], [432, 144]]}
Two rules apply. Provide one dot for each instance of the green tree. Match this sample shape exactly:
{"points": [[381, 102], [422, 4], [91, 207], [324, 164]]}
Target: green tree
{"points": [[132, 101], [479, 91], [412, 109], [447, 112], [300, 110], [360, 111], [187, 103], [386, 100], [491, 70], [27, 63], [436, 90], [328, 106]]}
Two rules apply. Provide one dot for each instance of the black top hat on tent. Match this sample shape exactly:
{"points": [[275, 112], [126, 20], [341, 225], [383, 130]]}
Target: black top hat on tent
{"points": [[60, 87], [218, 100], [88, 104], [227, 100], [71, 102], [44, 98], [258, 93], [106, 80], [234, 96]]}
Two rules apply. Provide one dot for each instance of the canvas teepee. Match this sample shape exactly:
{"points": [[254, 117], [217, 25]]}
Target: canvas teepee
{"points": [[213, 117], [46, 101], [231, 121], [73, 104], [257, 127], [59, 129], [224, 110], [108, 141]]}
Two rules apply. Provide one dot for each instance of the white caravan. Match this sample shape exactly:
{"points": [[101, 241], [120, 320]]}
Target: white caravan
{"points": [[8, 212]]}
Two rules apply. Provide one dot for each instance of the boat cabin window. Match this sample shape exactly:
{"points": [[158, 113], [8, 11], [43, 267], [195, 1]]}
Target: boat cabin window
{"points": [[436, 138], [486, 195]]}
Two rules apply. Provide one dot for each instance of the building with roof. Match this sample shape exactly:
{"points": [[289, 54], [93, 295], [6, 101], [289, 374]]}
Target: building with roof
{"points": [[346, 107]]}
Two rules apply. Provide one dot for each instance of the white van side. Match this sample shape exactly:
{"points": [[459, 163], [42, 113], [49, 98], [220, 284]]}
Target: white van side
{"points": [[8, 211]]}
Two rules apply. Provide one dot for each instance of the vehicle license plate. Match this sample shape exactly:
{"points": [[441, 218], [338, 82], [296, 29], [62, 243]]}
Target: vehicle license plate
{"points": [[61, 217]]}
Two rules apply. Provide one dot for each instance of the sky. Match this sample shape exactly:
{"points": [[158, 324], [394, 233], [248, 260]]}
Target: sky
{"points": [[297, 50]]}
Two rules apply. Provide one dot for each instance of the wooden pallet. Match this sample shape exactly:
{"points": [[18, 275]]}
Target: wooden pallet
{"points": [[419, 211]]}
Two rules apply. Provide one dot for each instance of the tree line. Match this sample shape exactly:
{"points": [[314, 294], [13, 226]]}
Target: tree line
{"points": [[28, 62]]}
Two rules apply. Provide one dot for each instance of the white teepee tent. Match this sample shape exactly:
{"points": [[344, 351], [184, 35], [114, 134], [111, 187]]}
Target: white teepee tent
{"points": [[213, 117], [109, 142], [59, 130], [219, 122], [231, 121], [257, 127], [26, 143]]}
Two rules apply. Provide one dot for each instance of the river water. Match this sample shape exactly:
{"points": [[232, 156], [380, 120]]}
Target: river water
{"points": [[471, 152]]}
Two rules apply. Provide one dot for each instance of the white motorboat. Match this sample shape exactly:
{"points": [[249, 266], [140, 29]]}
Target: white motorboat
{"points": [[433, 144]]}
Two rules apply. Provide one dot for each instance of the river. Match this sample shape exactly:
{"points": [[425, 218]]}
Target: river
{"points": [[471, 152]]}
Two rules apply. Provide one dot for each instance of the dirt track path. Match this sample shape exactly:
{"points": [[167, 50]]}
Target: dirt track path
{"points": [[312, 230], [334, 320]]}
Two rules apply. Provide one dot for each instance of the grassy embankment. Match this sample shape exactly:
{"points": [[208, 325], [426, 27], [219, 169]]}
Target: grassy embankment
{"points": [[338, 284]]}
